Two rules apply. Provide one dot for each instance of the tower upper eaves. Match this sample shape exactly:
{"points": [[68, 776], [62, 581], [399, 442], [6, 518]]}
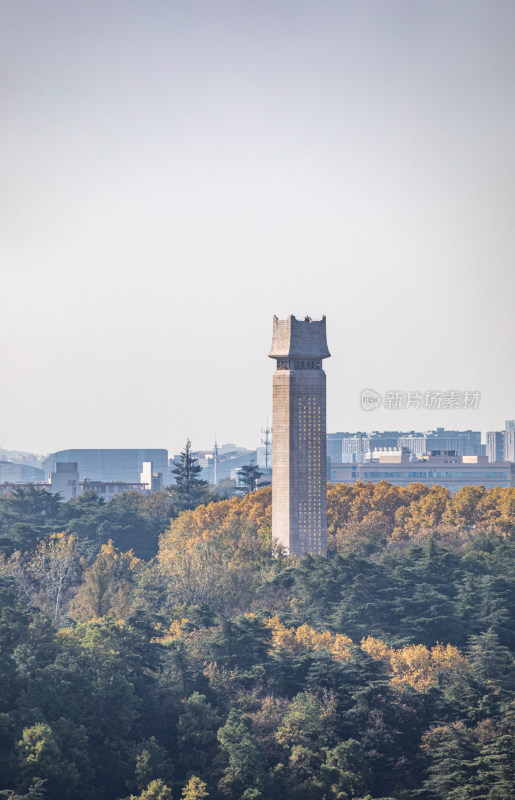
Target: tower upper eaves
{"points": [[304, 338]]}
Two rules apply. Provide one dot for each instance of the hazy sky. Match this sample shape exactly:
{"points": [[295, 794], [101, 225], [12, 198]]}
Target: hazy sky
{"points": [[173, 174]]}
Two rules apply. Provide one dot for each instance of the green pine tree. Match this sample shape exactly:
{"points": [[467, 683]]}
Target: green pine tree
{"points": [[249, 476], [190, 490]]}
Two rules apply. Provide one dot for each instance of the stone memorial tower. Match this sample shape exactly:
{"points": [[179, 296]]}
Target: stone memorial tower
{"points": [[299, 482]]}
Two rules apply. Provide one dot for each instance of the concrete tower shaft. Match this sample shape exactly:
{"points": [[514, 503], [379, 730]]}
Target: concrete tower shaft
{"points": [[299, 488]]}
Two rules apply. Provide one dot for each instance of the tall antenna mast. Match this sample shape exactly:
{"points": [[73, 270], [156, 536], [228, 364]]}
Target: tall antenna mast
{"points": [[215, 460], [267, 442]]}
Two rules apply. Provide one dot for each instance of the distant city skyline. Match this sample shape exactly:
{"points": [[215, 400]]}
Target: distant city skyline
{"points": [[173, 175], [224, 447]]}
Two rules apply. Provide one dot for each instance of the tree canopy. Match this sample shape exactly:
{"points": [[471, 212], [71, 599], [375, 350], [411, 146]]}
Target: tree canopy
{"points": [[212, 666]]}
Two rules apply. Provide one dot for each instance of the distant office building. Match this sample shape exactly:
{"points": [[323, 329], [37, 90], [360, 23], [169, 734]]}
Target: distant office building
{"points": [[447, 469], [500, 445], [334, 447], [112, 465], [464, 443], [109, 489], [349, 447], [65, 480], [361, 443], [20, 473], [509, 445], [495, 445], [227, 464], [152, 480], [229, 447], [22, 457], [223, 464], [225, 460], [345, 447], [9, 488]]}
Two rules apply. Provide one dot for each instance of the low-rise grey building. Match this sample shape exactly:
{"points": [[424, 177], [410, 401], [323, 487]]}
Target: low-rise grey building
{"points": [[442, 468], [109, 489], [11, 472], [65, 480], [106, 464]]}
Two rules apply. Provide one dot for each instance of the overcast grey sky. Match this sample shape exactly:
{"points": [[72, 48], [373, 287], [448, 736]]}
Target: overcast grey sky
{"points": [[172, 174]]}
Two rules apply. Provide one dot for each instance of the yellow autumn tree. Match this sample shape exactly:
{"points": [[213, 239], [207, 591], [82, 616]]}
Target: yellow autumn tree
{"points": [[496, 510], [339, 506], [416, 665], [195, 789], [176, 630], [107, 585], [367, 513], [217, 554], [463, 507], [303, 638], [421, 515]]}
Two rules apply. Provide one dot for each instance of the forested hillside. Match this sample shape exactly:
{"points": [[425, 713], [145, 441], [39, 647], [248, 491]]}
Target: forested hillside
{"points": [[151, 655]]}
